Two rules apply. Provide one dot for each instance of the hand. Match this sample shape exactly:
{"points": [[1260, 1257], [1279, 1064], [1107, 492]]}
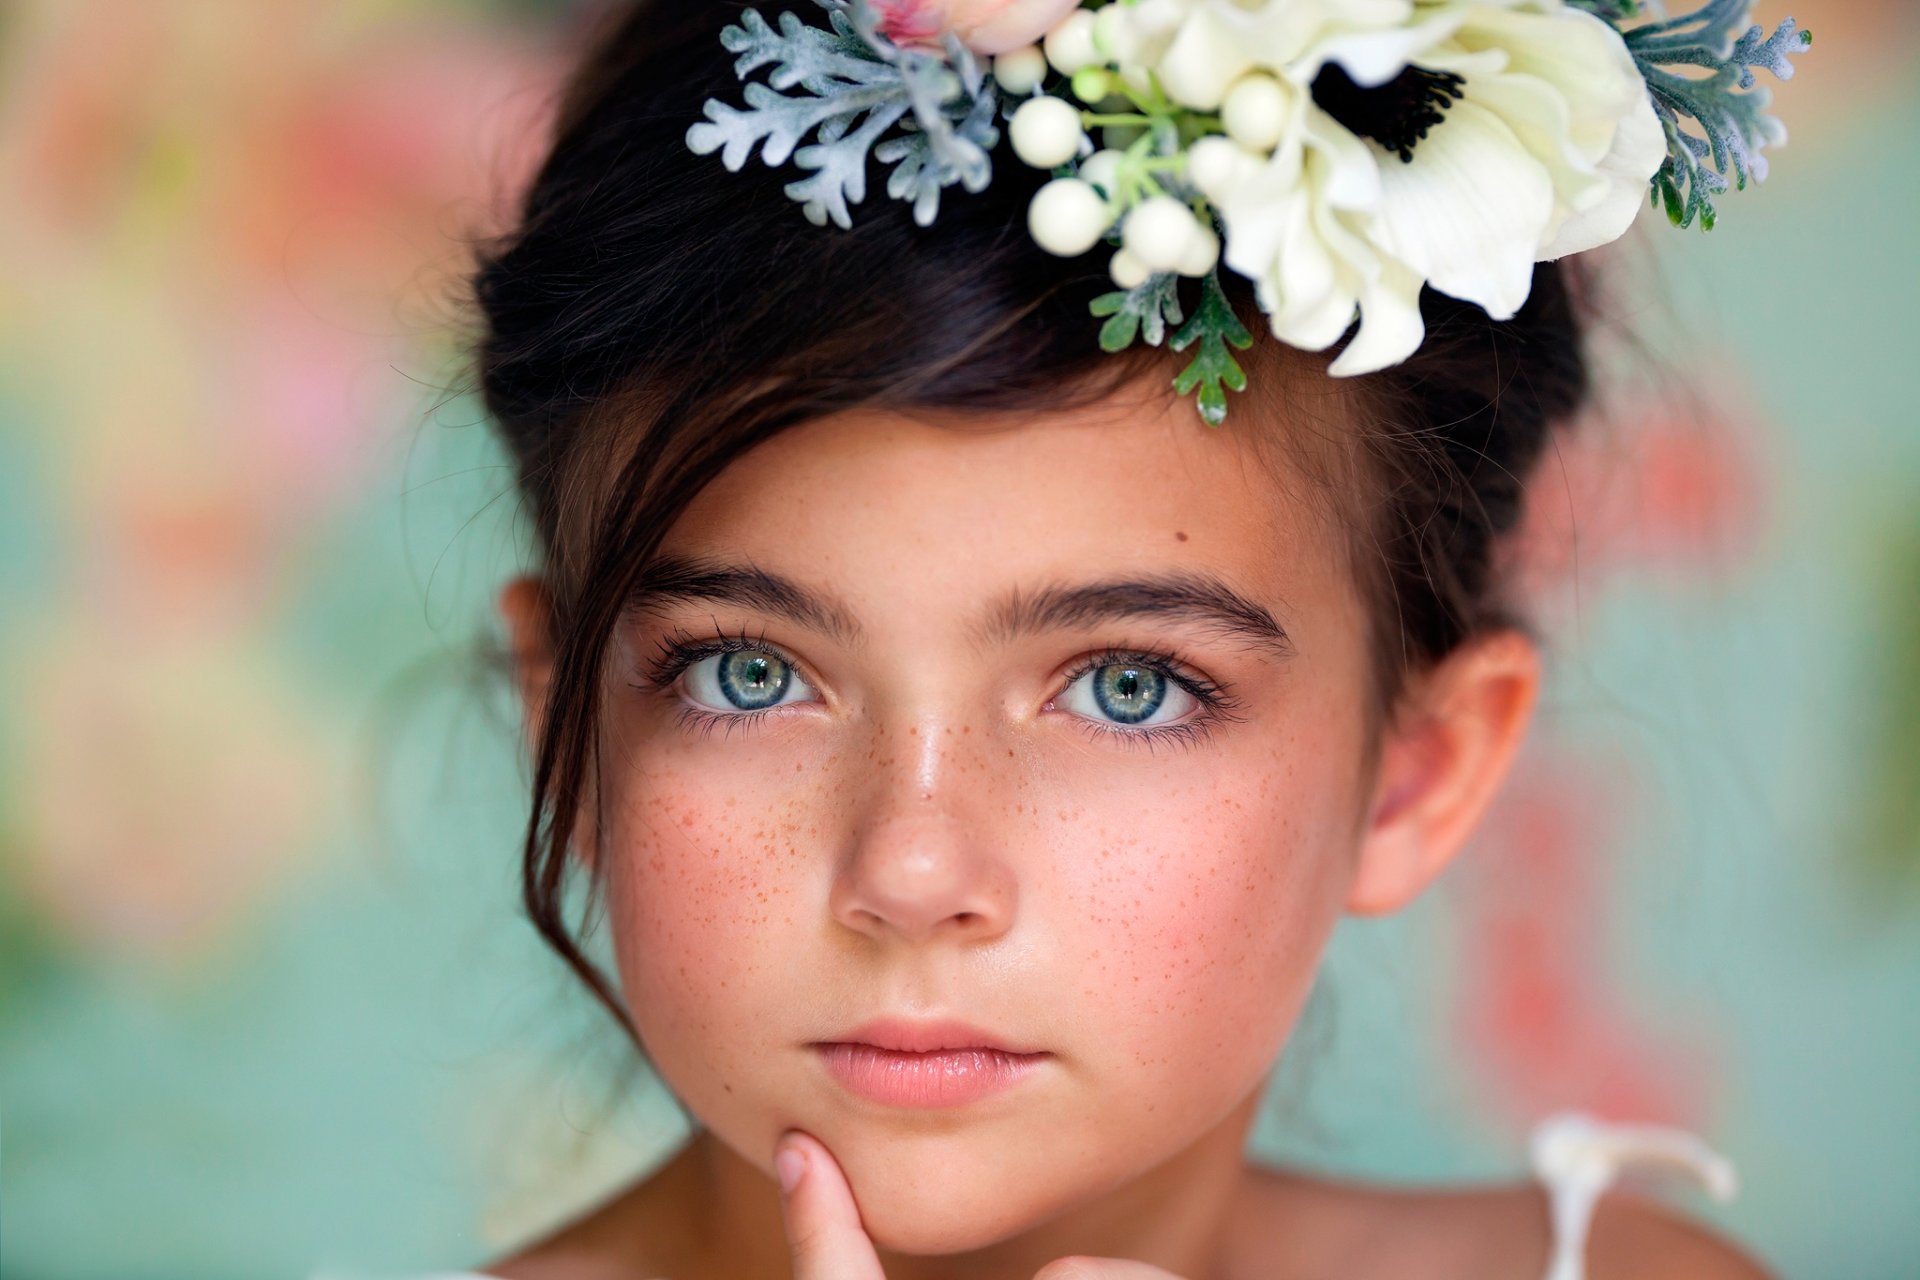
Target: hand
{"points": [[829, 1243]]}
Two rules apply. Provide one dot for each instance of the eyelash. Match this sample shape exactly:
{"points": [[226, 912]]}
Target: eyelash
{"points": [[680, 650]]}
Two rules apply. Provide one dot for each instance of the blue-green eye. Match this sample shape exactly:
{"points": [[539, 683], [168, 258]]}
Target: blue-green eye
{"points": [[1138, 696], [1128, 693], [744, 680]]}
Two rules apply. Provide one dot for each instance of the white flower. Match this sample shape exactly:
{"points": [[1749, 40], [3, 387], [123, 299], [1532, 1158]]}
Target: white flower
{"points": [[1448, 142], [1548, 153], [1198, 48], [1295, 226]]}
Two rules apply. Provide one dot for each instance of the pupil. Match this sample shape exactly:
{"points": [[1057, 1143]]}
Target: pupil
{"points": [[1397, 114]]}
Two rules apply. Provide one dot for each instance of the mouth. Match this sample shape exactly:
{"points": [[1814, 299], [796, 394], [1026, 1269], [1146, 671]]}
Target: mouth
{"points": [[943, 1063], [933, 1078], [927, 1035]]}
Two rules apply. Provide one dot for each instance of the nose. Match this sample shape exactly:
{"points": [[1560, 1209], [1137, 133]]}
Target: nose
{"points": [[927, 857]]}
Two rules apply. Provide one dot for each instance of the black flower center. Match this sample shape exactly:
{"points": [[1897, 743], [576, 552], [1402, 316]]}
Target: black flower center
{"points": [[1396, 114]]}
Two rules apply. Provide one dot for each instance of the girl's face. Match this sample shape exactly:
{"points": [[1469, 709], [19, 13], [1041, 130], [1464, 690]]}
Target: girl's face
{"points": [[1056, 729]]}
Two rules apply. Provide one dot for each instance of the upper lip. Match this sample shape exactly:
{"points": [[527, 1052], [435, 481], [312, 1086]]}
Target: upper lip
{"points": [[926, 1035]]}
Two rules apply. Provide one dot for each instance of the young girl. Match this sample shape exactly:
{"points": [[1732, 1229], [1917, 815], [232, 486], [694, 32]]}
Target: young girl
{"points": [[973, 745]]}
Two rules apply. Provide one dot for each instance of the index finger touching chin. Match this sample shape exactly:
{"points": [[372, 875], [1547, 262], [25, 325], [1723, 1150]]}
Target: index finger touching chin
{"points": [[823, 1223]]}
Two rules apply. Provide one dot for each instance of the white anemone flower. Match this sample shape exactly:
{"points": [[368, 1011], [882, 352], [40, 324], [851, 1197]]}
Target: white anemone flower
{"points": [[1451, 142], [1296, 225], [1549, 151]]}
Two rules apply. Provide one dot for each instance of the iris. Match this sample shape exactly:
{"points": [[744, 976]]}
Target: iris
{"points": [[753, 679], [1129, 693]]}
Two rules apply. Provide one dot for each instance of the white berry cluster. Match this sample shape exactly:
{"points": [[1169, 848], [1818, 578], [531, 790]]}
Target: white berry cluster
{"points": [[1113, 184]]}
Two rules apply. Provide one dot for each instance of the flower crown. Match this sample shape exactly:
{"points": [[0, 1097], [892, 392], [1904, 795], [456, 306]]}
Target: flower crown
{"points": [[1339, 153]]}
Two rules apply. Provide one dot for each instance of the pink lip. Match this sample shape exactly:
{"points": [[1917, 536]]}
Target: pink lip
{"points": [[942, 1063], [938, 1078], [926, 1035]]}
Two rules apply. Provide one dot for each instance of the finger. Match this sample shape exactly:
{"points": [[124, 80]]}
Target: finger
{"points": [[823, 1223], [1079, 1268]]}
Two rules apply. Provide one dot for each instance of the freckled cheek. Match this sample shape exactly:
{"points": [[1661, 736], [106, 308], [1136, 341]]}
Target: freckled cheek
{"points": [[1197, 928], [704, 874]]}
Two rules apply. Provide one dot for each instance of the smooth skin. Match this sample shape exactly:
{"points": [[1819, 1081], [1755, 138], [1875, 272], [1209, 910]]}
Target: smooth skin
{"points": [[941, 818]]}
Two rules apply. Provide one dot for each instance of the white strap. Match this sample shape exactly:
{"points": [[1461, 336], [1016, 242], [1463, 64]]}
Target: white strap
{"points": [[1578, 1157]]}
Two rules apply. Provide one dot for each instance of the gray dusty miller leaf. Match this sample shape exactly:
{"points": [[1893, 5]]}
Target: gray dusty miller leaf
{"points": [[853, 86]]}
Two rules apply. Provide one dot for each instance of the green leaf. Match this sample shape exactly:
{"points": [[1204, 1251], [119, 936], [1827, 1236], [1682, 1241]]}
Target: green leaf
{"points": [[1216, 329], [1149, 307], [1716, 124]]}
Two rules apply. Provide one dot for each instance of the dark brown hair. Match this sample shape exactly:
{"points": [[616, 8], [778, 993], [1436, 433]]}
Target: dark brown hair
{"points": [[654, 315]]}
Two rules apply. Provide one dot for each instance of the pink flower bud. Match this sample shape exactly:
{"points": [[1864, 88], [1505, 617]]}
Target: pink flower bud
{"points": [[985, 26]]}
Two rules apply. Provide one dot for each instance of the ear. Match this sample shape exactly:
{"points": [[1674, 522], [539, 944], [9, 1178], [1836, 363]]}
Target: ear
{"points": [[1441, 762], [526, 608]]}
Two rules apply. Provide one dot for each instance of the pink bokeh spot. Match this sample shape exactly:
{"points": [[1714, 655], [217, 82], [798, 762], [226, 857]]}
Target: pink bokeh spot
{"points": [[1542, 1026], [176, 782], [243, 298], [1660, 484], [1674, 485]]}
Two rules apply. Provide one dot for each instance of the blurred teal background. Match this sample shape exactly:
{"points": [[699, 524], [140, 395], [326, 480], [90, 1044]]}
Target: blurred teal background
{"points": [[267, 1002]]}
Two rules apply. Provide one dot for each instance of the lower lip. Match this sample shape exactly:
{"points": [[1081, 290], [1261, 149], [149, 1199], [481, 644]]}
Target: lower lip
{"points": [[943, 1078]]}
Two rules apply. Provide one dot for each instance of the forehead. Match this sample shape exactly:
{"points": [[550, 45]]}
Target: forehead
{"points": [[902, 511]]}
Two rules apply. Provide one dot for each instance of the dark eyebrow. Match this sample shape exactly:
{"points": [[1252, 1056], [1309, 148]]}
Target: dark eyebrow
{"points": [[674, 578], [1181, 597]]}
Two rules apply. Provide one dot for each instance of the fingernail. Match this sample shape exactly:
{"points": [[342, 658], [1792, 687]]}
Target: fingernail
{"points": [[789, 1162]]}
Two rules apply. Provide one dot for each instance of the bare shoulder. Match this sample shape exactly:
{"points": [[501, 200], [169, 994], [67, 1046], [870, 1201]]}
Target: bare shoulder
{"points": [[604, 1243], [645, 1230], [1372, 1231], [1637, 1238], [578, 1251]]}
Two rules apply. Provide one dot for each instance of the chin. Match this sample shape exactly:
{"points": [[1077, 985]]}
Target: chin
{"points": [[956, 1204], [927, 1222]]}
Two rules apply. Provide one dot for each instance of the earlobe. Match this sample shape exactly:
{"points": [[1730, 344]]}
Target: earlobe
{"points": [[1441, 765], [526, 608]]}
